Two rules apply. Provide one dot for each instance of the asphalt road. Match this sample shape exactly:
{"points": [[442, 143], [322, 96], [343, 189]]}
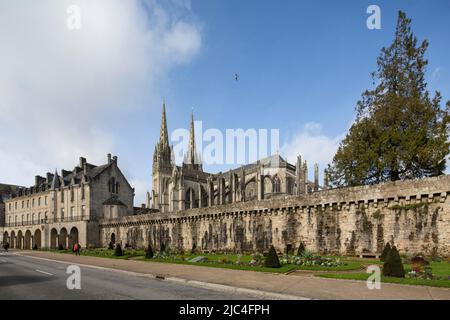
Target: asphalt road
{"points": [[27, 278]]}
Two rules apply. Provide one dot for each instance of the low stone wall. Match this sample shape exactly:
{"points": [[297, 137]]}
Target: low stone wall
{"points": [[414, 215]]}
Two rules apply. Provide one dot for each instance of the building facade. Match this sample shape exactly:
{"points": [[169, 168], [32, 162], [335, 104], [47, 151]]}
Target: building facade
{"points": [[63, 209]]}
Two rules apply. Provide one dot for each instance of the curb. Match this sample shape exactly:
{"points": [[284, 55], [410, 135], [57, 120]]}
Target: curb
{"points": [[260, 294]]}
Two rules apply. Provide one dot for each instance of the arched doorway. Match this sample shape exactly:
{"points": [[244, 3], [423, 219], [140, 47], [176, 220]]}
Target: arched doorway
{"points": [[63, 237], [54, 239], [113, 238], [37, 238], [73, 237], [19, 241], [12, 240], [27, 240]]}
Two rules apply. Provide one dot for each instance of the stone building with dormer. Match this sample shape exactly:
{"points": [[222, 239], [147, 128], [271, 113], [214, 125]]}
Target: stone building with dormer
{"points": [[64, 208]]}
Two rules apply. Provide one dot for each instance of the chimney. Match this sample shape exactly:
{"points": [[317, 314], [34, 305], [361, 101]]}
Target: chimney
{"points": [[85, 168], [115, 159], [82, 162], [109, 158]]}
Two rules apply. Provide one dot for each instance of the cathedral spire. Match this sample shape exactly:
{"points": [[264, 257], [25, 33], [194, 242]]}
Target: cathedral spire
{"points": [[192, 152], [163, 135]]}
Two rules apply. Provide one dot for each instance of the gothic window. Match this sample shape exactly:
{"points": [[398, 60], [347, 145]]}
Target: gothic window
{"points": [[276, 184], [82, 192], [113, 186], [62, 195], [250, 191], [268, 187], [72, 194]]}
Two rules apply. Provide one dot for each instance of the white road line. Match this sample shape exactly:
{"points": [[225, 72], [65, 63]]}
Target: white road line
{"points": [[49, 274]]}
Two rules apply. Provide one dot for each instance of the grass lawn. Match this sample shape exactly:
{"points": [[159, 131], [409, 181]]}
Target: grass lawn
{"points": [[285, 268], [364, 276]]}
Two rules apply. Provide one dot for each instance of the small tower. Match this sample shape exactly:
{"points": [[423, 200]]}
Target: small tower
{"points": [[192, 159], [316, 177]]}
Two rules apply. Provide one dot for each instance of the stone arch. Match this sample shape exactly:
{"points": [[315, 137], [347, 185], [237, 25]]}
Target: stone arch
{"points": [[276, 184], [19, 241], [250, 190], [190, 198], [37, 238], [54, 239], [73, 237], [12, 240], [63, 237], [113, 238], [28, 240], [268, 185]]}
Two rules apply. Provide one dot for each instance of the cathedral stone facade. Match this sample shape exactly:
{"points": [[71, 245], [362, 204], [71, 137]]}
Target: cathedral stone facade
{"points": [[177, 188]]}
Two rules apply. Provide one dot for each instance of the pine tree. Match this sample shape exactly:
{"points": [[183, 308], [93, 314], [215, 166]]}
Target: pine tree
{"points": [[393, 267], [385, 252], [272, 260], [149, 252], [400, 131]]}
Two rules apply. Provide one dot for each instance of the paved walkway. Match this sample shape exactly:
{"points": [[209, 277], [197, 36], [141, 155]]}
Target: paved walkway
{"points": [[302, 286]]}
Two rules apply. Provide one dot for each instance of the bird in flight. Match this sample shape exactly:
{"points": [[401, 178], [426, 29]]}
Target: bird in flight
{"points": [[236, 77]]}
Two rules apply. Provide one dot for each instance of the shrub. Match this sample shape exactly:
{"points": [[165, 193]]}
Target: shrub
{"points": [[420, 260], [393, 266], [385, 252], [60, 247], [118, 252], [272, 260], [149, 252], [301, 249], [111, 246]]}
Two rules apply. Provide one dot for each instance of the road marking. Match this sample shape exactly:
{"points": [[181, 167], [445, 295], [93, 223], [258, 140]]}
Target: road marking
{"points": [[49, 274]]}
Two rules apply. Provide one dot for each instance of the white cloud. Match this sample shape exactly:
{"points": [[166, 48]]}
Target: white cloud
{"points": [[313, 145], [59, 88]]}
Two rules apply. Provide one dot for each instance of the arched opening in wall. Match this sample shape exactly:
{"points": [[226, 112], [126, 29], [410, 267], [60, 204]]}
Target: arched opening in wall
{"points": [[276, 184], [113, 238], [250, 190], [12, 241], [190, 198], [73, 237], [54, 239], [268, 186], [63, 237], [6, 238], [27, 243], [19, 241], [37, 239]]}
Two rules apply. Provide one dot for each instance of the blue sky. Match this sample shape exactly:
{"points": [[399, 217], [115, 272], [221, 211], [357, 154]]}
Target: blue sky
{"points": [[299, 62], [302, 66]]}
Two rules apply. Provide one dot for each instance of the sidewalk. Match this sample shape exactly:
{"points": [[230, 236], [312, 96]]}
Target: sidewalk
{"points": [[301, 286]]}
